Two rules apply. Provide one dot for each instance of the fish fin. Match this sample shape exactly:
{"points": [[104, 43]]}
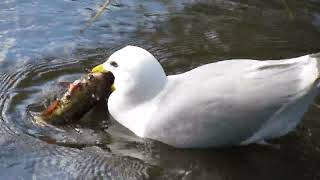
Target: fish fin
{"points": [[265, 143], [51, 108], [65, 84]]}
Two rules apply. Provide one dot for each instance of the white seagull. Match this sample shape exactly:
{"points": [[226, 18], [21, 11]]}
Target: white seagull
{"points": [[226, 103]]}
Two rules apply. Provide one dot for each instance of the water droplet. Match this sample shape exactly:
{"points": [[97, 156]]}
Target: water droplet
{"points": [[77, 130]]}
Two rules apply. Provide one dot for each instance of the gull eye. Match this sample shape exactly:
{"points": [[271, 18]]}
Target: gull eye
{"points": [[114, 64]]}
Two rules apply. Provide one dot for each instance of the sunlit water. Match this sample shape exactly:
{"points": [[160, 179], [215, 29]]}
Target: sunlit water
{"points": [[41, 44]]}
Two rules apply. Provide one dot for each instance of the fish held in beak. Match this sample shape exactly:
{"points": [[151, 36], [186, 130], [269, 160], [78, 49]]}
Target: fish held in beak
{"points": [[81, 96]]}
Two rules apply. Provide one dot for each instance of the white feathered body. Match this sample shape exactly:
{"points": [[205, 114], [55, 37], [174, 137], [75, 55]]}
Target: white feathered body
{"points": [[226, 103]]}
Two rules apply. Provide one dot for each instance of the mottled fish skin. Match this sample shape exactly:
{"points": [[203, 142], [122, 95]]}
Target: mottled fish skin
{"points": [[81, 96]]}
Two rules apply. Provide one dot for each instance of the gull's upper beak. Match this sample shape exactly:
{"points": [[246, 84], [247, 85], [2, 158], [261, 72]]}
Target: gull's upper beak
{"points": [[99, 69]]}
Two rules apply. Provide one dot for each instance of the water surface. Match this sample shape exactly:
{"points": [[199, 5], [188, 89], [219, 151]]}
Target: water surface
{"points": [[42, 44]]}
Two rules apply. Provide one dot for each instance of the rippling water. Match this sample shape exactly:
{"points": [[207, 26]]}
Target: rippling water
{"points": [[41, 44]]}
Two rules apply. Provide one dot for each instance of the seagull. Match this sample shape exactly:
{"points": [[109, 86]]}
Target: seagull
{"points": [[226, 103]]}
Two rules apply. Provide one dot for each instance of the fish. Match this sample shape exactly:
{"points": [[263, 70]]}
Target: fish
{"points": [[81, 96]]}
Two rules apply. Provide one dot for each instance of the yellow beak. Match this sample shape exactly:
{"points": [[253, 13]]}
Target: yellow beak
{"points": [[113, 88], [99, 69]]}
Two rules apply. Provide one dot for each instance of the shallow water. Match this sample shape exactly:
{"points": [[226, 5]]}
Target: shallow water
{"points": [[41, 44]]}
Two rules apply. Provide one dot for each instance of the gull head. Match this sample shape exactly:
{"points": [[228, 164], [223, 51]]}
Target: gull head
{"points": [[138, 74]]}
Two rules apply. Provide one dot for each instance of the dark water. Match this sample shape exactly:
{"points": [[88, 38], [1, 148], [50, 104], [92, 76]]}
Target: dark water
{"points": [[41, 44]]}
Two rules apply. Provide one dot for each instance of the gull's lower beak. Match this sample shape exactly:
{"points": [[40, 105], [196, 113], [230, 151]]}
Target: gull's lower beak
{"points": [[99, 69], [113, 88]]}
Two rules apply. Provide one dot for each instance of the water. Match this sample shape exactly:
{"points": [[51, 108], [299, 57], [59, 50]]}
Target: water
{"points": [[41, 44]]}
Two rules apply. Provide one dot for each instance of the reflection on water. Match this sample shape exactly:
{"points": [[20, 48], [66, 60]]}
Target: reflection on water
{"points": [[42, 41]]}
